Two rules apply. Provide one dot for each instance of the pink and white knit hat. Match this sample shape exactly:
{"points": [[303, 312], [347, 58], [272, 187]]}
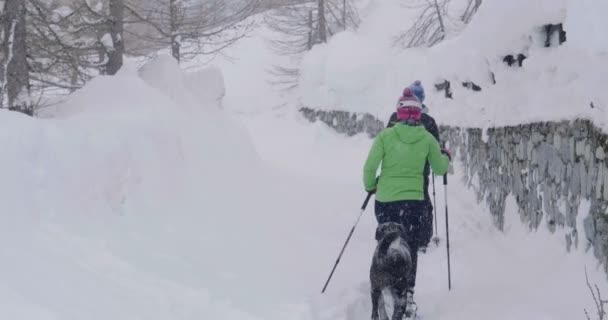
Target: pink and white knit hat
{"points": [[409, 108]]}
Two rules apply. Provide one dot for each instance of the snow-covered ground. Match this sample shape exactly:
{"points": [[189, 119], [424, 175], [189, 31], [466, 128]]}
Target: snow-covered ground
{"points": [[513, 275], [143, 198], [143, 204]]}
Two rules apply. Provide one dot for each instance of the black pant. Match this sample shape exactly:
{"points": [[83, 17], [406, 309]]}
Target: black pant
{"points": [[410, 213], [426, 232]]}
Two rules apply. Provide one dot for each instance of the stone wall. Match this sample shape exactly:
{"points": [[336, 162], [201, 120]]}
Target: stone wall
{"points": [[548, 167], [346, 122]]}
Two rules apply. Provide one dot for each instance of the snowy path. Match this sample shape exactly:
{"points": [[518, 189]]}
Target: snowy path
{"points": [[517, 275]]}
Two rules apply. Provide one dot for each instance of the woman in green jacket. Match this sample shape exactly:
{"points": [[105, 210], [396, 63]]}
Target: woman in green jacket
{"points": [[402, 152]]}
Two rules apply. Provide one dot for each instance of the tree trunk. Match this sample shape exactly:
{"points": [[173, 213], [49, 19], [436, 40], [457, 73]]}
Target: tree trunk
{"points": [[115, 56], [311, 31], [173, 25], [440, 18], [14, 67], [344, 14], [322, 22], [102, 51]]}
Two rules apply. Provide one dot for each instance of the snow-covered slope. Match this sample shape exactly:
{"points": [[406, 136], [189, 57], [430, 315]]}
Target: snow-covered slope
{"points": [[361, 71], [103, 206], [138, 202], [139, 212]]}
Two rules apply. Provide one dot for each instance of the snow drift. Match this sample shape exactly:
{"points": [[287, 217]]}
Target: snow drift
{"points": [[361, 72], [139, 200], [109, 209]]}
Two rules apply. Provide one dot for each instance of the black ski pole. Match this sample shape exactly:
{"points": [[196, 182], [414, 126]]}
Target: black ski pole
{"points": [[447, 230], [436, 237], [350, 234]]}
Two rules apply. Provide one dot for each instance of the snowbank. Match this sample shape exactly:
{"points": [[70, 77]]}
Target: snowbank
{"points": [[112, 209], [361, 72], [136, 201]]}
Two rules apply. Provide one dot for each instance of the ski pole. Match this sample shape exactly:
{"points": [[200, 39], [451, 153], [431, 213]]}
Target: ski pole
{"points": [[447, 230], [369, 195]]}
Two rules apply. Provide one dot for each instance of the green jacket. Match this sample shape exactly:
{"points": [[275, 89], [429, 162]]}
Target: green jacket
{"points": [[403, 151]]}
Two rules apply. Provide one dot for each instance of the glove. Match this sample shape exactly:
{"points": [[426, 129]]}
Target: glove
{"points": [[447, 153], [373, 190]]}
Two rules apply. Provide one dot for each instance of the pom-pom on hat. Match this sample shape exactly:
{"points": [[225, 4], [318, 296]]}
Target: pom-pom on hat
{"points": [[408, 99], [418, 90], [409, 108]]}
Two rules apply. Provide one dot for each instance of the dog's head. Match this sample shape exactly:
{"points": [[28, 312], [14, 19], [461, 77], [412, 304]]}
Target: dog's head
{"points": [[384, 229]]}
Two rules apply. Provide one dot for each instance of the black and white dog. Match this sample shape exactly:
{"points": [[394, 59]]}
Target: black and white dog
{"points": [[391, 265]]}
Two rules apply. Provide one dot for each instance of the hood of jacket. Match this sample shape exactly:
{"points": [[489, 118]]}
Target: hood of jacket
{"points": [[409, 134]]}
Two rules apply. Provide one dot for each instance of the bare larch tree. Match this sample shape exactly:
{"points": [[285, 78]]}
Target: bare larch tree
{"points": [[429, 28], [70, 42], [50, 47], [302, 24], [431, 25], [305, 23], [189, 28]]}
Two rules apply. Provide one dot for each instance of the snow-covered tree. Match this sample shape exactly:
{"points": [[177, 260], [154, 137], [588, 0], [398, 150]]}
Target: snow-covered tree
{"points": [[58, 45], [70, 41], [189, 27], [103, 21], [304, 23], [432, 23], [429, 28]]}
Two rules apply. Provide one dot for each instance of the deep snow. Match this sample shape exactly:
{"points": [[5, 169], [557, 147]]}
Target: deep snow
{"points": [[362, 71], [145, 197], [515, 275], [139, 213]]}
